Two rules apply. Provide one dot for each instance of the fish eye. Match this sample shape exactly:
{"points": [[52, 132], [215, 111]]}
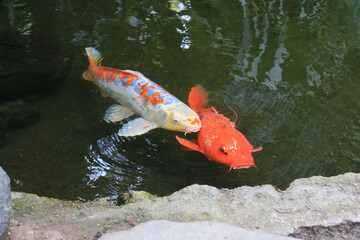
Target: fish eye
{"points": [[176, 120], [222, 149]]}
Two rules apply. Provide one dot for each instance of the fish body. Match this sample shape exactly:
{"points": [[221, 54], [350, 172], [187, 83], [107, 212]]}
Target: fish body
{"points": [[137, 94], [218, 138]]}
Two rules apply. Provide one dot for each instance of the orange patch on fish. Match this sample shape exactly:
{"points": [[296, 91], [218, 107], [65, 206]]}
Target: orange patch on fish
{"points": [[195, 121], [218, 138], [144, 89], [130, 79], [154, 99], [109, 75]]}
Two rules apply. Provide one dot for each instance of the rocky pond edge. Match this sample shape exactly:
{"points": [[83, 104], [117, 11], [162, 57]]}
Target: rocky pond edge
{"points": [[309, 202]]}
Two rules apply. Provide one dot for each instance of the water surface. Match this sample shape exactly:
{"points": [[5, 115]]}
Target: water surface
{"points": [[289, 68]]}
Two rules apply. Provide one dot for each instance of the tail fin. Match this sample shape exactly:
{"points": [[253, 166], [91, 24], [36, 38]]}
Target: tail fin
{"points": [[198, 98], [94, 56]]}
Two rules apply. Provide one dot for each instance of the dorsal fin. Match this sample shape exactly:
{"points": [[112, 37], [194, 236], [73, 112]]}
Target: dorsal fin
{"points": [[198, 98], [136, 73]]}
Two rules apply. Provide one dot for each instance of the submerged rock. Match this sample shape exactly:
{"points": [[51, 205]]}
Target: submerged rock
{"points": [[14, 115], [5, 203], [17, 114]]}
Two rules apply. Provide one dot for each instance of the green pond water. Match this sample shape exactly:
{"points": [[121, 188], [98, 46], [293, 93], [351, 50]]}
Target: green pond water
{"points": [[290, 69]]}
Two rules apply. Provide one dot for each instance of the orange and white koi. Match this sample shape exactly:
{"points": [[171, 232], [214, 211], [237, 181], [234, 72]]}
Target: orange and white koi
{"points": [[218, 138], [137, 94]]}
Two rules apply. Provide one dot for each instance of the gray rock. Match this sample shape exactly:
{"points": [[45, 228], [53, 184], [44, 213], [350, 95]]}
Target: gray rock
{"points": [[309, 202], [164, 230], [5, 203]]}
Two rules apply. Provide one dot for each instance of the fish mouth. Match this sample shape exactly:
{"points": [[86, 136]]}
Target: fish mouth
{"points": [[246, 166], [192, 129], [240, 167]]}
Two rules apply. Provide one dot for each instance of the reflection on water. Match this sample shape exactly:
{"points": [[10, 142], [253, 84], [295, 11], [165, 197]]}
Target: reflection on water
{"points": [[289, 68], [185, 19], [108, 160]]}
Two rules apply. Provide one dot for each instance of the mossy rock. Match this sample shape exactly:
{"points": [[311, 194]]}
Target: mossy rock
{"points": [[17, 114]]}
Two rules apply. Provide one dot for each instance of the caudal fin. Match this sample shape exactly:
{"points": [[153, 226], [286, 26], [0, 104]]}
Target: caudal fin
{"points": [[198, 98], [94, 56], [94, 60]]}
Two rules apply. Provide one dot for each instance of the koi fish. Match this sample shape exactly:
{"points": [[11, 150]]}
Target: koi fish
{"points": [[218, 138], [135, 93]]}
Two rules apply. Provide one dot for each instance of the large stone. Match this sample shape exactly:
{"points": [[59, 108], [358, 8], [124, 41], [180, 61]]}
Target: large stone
{"points": [[164, 230], [315, 201], [5, 203], [307, 202]]}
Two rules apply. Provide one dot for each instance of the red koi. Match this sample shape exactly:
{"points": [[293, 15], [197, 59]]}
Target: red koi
{"points": [[218, 138]]}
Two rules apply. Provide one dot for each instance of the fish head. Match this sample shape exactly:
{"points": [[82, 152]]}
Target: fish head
{"points": [[242, 159], [179, 118], [231, 150]]}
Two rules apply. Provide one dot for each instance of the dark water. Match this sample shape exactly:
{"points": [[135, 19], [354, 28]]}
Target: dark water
{"points": [[289, 68]]}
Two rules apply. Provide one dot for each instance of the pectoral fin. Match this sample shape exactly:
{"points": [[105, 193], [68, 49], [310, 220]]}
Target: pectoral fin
{"points": [[117, 113], [138, 126], [189, 145], [256, 149]]}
